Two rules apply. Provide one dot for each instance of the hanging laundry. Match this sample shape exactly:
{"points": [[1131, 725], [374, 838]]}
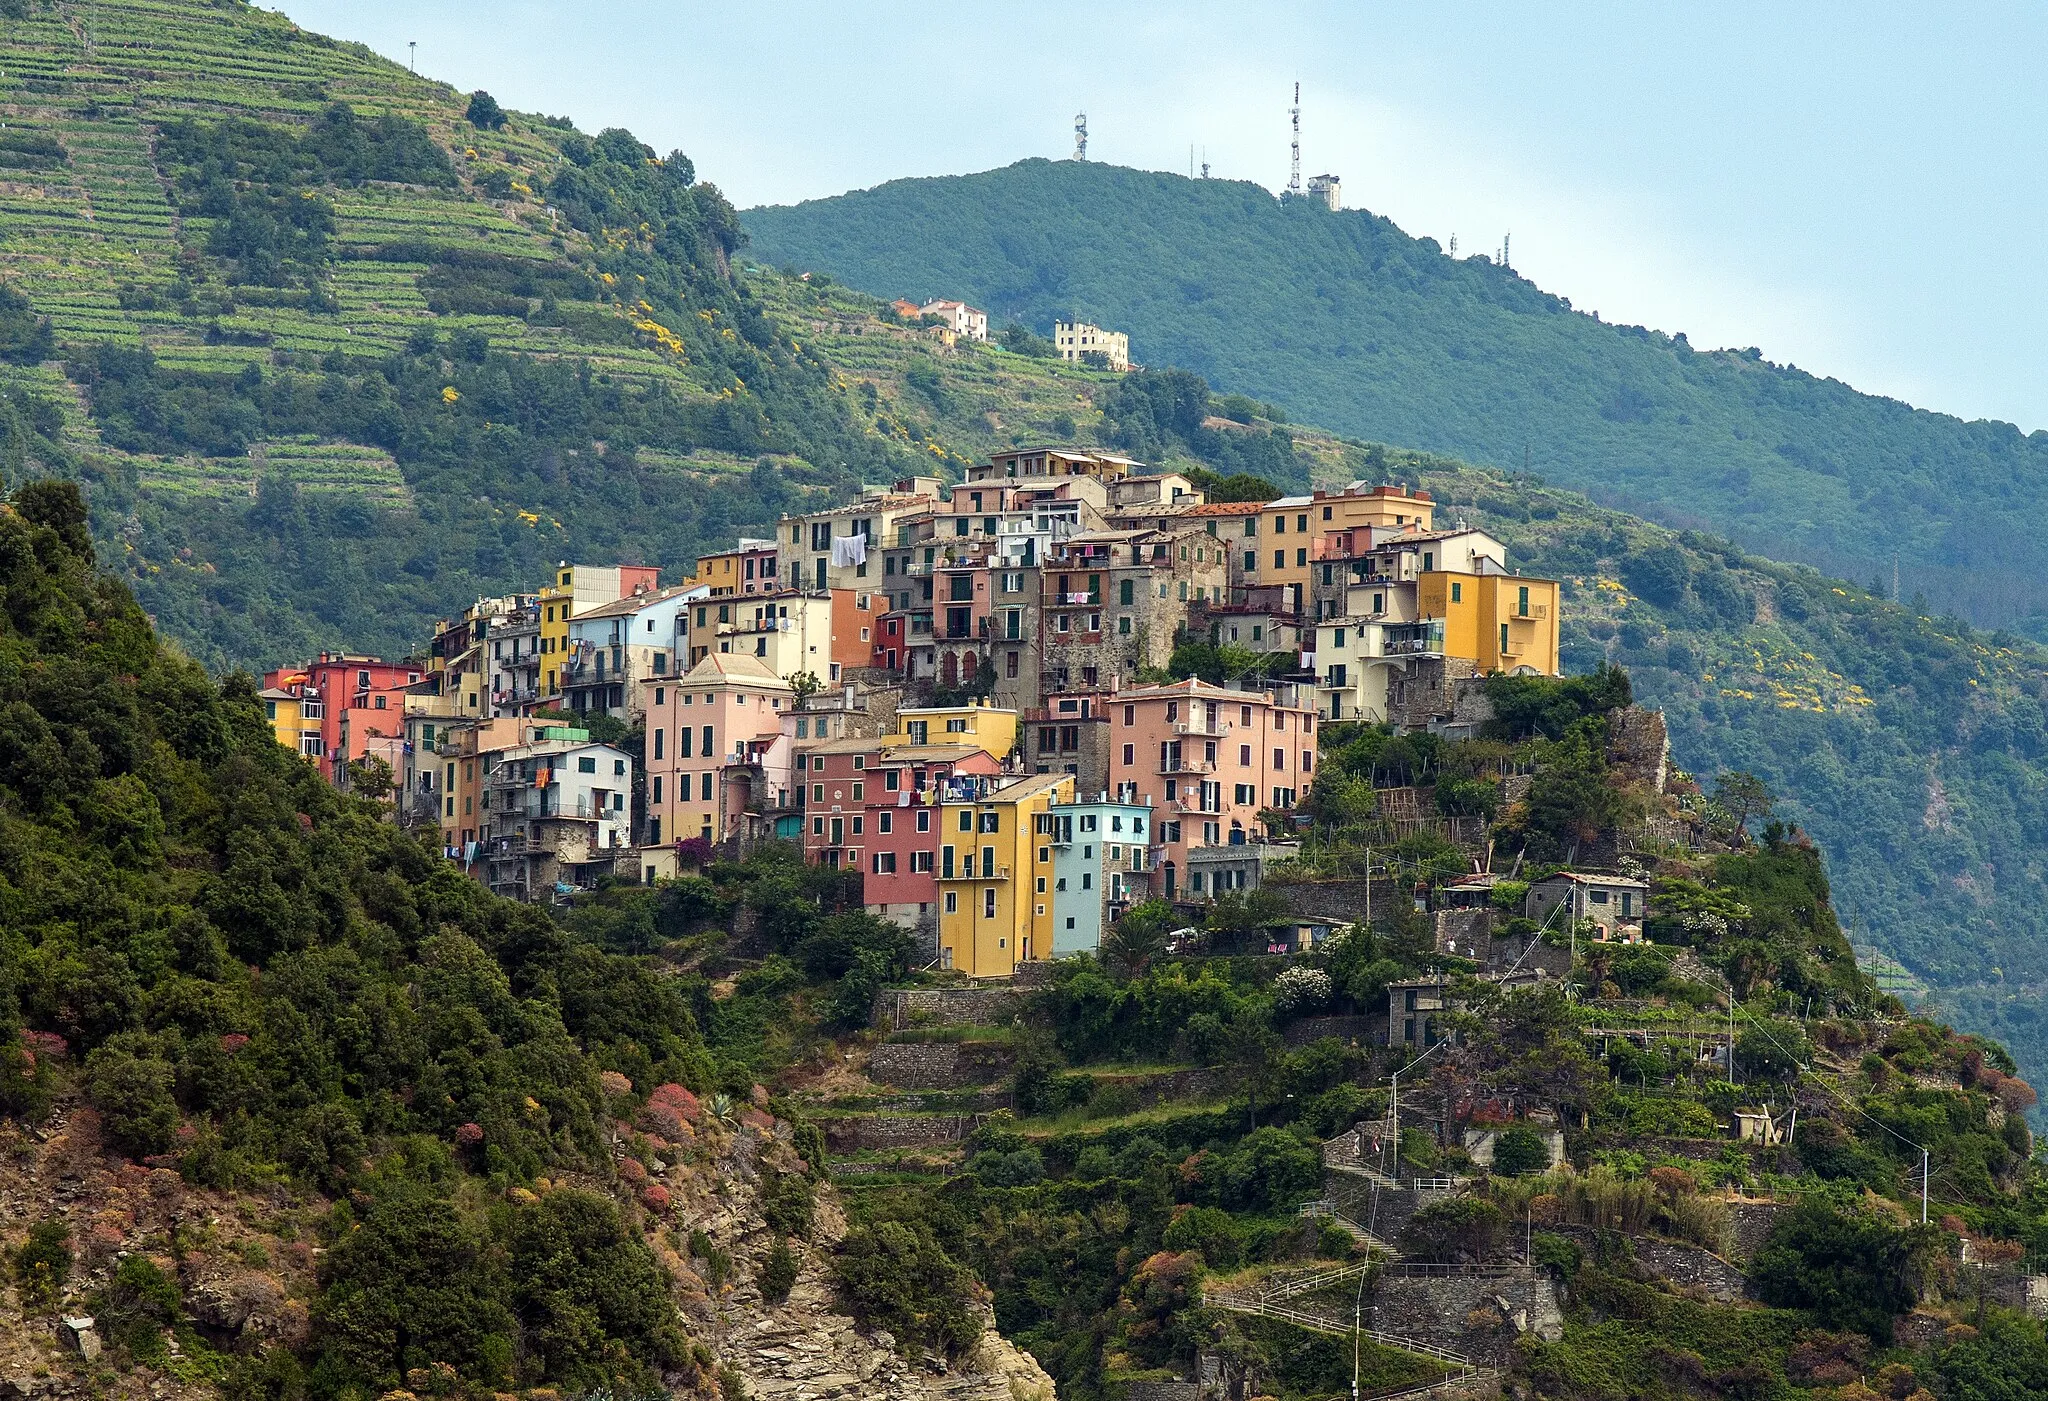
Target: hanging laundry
{"points": [[849, 549]]}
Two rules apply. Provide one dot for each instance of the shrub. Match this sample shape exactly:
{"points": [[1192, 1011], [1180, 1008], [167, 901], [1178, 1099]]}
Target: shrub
{"points": [[1458, 1230], [896, 1276], [1520, 1150], [1849, 1270], [133, 1095], [788, 1201], [1022, 1168], [778, 1272], [42, 1264], [1208, 1230], [483, 112], [140, 1303]]}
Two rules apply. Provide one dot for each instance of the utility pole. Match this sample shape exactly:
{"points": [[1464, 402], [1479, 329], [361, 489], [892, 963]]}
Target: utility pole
{"points": [[412, 56], [1923, 1186]]}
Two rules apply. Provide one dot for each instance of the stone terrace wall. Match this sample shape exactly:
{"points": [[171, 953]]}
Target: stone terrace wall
{"points": [[895, 1008], [1463, 1312], [939, 1065]]}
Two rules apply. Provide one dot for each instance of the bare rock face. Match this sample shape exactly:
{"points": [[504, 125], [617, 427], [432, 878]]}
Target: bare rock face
{"points": [[803, 1348]]}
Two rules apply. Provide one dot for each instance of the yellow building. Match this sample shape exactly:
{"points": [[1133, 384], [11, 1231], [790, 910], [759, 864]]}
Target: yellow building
{"points": [[985, 727], [1503, 622], [295, 717], [1290, 528], [574, 588], [995, 873]]}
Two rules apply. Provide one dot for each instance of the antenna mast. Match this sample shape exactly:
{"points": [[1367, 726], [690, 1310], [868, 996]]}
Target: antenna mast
{"points": [[1294, 169], [1080, 136], [1205, 162]]}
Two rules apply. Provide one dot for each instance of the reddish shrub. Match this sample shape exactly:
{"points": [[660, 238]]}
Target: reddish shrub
{"points": [[233, 1042], [2015, 1094], [654, 1197], [673, 1096], [469, 1135], [614, 1083], [632, 1171]]}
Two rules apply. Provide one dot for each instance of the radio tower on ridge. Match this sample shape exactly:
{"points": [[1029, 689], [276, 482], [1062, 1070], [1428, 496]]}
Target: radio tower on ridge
{"points": [[1294, 169], [1080, 136]]}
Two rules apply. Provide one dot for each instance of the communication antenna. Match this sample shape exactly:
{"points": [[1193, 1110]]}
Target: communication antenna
{"points": [[1205, 162], [1294, 169], [1080, 136], [1454, 245], [412, 55], [1504, 238]]}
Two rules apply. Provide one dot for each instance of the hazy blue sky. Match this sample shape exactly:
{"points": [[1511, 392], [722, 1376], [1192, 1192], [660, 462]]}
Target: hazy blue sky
{"points": [[1855, 189]]}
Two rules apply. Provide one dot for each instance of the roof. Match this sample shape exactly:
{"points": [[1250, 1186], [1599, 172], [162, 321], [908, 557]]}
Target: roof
{"points": [[856, 744], [276, 693], [1419, 535], [1193, 686], [1228, 508], [733, 666], [1024, 786], [931, 753], [1593, 878], [1290, 502], [542, 748], [627, 607]]}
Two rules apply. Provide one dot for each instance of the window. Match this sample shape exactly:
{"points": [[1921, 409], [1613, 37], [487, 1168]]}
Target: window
{"points": [[657, 790], [1041, 885], [1279, 559], [892, 781], [1428, 561], [817, 826], [1522, 602], [966, 820], [817, 792], [618, 768], [952, 903], [1504, 639], [659, 737], [1279, 758], [709, 746], [884, 825], [586, 764], [990, 822], [857, 824], [988, 909], [924, 819], [706, 787], [1457, 592], [1130, 717], [921, 862], [857, 791], [1127, 592]]}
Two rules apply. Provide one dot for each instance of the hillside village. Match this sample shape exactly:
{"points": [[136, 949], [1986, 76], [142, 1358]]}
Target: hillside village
{"points": [[995, 658], [1144, 902]]}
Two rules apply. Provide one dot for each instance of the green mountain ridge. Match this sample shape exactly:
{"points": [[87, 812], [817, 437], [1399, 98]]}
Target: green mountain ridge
{"points": [[1356, 325]]}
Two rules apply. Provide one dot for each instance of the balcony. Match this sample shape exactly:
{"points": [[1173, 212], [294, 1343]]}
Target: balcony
{"points": [[1176, 766], [966, 872], [1200, 728]]}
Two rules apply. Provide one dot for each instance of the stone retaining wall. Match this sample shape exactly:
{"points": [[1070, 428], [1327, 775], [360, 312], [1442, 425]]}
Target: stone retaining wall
{"points": [[1477, 1316], [1311, 1029], [898, 1008], [940, 1065], [884, 1131]]}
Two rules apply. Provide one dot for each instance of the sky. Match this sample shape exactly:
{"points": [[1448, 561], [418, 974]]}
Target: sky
{"points": [[1852, 189]]}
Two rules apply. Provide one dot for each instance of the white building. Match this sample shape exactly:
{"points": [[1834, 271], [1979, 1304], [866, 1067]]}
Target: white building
{"points": [[557, 815], [1073, 339], [963, 319], [615, 647]]}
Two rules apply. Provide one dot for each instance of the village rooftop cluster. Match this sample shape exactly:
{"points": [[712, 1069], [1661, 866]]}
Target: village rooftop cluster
{"points": [[961, 692]]}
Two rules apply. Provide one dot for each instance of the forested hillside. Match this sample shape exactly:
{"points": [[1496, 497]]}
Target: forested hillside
{"points": [[1357, 326]]}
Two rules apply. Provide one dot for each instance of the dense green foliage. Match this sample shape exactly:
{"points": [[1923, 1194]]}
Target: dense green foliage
{"points": [[1356, 325]]}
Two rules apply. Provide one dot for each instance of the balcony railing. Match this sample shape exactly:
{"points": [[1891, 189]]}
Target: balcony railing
{"points": [[1172, 766], [1215, 729]]}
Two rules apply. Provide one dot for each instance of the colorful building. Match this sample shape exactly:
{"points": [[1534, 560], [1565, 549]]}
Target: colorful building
{"points": [[1208, 761], [574, 589], [995, 872], [1101, 866], [722, 714]]}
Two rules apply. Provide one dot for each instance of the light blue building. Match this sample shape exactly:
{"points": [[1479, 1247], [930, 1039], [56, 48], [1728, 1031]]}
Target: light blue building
{"points": [[1101, 866]]}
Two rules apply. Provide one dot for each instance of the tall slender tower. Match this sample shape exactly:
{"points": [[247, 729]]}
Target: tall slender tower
{"points": [[1294, 168], [1080, 136]]}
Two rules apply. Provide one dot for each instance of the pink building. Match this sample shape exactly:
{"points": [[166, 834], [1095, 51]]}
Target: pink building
{"points": [[1209, 760], [875, 809], [722, 715]]}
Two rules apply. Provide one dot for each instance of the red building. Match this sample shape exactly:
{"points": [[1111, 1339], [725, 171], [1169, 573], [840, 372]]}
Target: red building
{"points": [[873, 806], [363, 706]]}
